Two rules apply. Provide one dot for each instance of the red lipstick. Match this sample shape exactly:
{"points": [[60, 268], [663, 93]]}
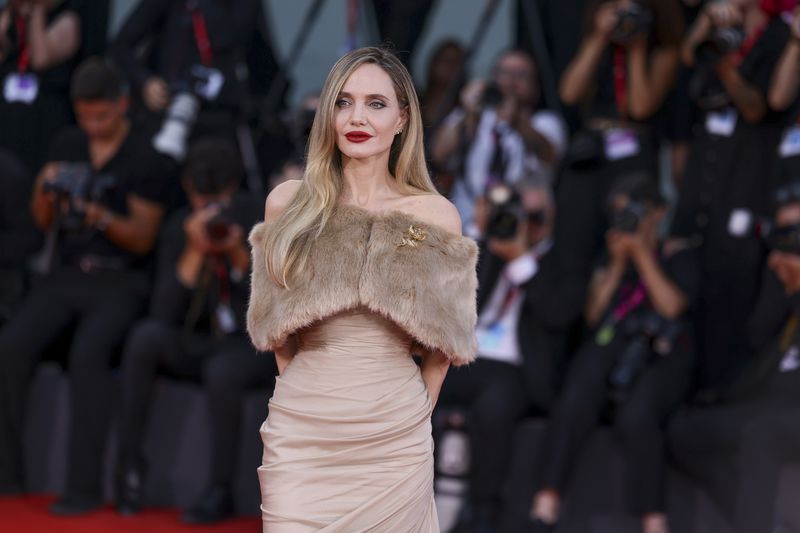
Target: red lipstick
{"points": [[357, 136]]}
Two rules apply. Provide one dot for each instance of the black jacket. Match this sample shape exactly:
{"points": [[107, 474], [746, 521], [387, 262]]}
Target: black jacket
{"points": [[544, 319]]}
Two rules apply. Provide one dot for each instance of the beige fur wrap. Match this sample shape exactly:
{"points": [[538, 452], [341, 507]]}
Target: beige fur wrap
{"points": [[418, 275]]}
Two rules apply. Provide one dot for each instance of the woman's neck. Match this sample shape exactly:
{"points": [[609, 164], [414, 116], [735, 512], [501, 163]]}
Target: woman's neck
{"points": [[366, 182]]}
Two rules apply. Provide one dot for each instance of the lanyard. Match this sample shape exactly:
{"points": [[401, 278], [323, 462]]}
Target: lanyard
{"points": [[24, 50], [621, 80], [749, 43], [631, 299], [201, 33], [223, 279]]}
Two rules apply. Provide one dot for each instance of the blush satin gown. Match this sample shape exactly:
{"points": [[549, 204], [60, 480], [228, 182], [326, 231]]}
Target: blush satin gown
{"points": [[347, 443]]}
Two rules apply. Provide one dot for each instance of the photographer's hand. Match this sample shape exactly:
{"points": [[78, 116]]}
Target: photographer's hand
{"points": [[43, 202], [667, 298], [234, 247], [450, 136], [510, 249], [97, 216], [156, 94]]}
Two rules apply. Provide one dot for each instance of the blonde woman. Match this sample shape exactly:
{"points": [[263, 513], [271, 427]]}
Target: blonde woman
{"points": [[356, 267]]}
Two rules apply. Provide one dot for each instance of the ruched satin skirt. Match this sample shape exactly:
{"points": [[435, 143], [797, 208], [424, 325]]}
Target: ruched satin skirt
{"points": [[347, 443]]}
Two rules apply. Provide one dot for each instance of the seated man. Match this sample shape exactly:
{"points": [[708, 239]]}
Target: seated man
{"points": [[196, 326], [638, 360], [520, 333], [736, 448], [101, 199]]}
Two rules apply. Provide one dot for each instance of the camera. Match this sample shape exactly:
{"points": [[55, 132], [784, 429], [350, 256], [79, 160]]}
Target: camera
{"points": [[505, 212], [704, 88], [628, 218], [218, 227], [648, 334], [492, 95], [182, 112], [78, 183], [721, 42], [632, 20], [784, 239]]}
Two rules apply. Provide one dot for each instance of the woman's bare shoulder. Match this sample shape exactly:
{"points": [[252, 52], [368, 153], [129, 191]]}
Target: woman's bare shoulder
{"points": [[280, 197], [435, 209]]}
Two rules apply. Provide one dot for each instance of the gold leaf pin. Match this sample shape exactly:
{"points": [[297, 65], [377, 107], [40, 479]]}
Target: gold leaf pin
{"points": [[412, 236]]}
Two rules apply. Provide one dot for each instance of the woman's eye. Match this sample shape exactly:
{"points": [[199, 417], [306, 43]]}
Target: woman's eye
{"points": [[341, 102], [377, 104]]}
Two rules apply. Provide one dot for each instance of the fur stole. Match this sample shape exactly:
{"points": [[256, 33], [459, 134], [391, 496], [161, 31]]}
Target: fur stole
{"points": [[417, 274]]}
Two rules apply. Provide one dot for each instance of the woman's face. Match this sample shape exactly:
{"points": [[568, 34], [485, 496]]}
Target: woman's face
{"points": [[367, 114]]}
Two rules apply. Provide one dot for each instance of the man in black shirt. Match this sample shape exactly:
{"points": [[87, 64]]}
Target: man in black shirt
{"points": [[196, 326], [101, 198]]}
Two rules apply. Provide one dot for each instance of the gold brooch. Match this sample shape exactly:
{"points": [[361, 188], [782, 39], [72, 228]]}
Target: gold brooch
{"points": [[412, 236]]}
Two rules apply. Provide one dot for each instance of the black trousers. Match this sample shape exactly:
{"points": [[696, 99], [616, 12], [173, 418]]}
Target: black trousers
{"points": [[639, 420], [494, 395], [736, 450], [99, 308], [227, 367]]}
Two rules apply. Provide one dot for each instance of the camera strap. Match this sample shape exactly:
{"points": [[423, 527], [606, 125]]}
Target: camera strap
{"points": [[224, 317], [23, 61], [200, 30], [620, 70], [630, 299], [749, 43]]}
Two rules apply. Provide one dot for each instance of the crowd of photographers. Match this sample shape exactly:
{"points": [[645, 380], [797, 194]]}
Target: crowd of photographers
{"points": [[129, 183]]}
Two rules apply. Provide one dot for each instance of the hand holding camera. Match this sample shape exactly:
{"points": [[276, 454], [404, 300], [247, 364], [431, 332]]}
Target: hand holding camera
{"points": [[472, 97], [211, 231], [156, 94]]}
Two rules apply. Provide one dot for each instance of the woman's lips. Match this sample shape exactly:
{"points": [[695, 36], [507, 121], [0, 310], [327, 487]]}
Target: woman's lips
{"points": [[358, 136]]}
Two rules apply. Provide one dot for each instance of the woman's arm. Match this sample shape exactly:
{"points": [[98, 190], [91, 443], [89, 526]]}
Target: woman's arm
{"points": [[53, 44], [651, 78], [285, 352], [786, 80], [580, 73], [667, 299], [434, 369]]}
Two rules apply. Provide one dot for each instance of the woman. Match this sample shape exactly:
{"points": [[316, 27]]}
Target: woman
{"points": [[619, 78], [639, 356], [356, 267], [39, 44]]}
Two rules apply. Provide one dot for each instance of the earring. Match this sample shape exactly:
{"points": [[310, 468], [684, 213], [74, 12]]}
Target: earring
{"points": [[398, 132]]}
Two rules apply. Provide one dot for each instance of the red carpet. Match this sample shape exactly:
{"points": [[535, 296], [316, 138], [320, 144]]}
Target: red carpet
{"points": [[29, 514]]}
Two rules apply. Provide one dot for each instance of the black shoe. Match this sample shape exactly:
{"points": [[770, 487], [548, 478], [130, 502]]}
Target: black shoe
{"points": [[72, 505], [129, 488], [537, 525], [214, 505]]}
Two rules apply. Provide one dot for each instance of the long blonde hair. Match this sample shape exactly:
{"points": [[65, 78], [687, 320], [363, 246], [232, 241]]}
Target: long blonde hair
{"points": [[289, 243]]}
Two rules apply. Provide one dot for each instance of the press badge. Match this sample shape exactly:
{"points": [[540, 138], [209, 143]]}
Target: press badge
{"points": [[620, 143], [226, 321], [722, 123], [790, 145], [208, 81], [739, 222], [23, 88], [490, 336], [790, 360]]}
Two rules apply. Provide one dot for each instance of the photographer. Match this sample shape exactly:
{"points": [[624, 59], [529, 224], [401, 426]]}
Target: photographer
{"points": [[734, 46], [497, 135], [639, 355], [190, 74], [101, 200], [39, 44], [620, 78], [737, 447], [520, 335], [196, 327]]}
